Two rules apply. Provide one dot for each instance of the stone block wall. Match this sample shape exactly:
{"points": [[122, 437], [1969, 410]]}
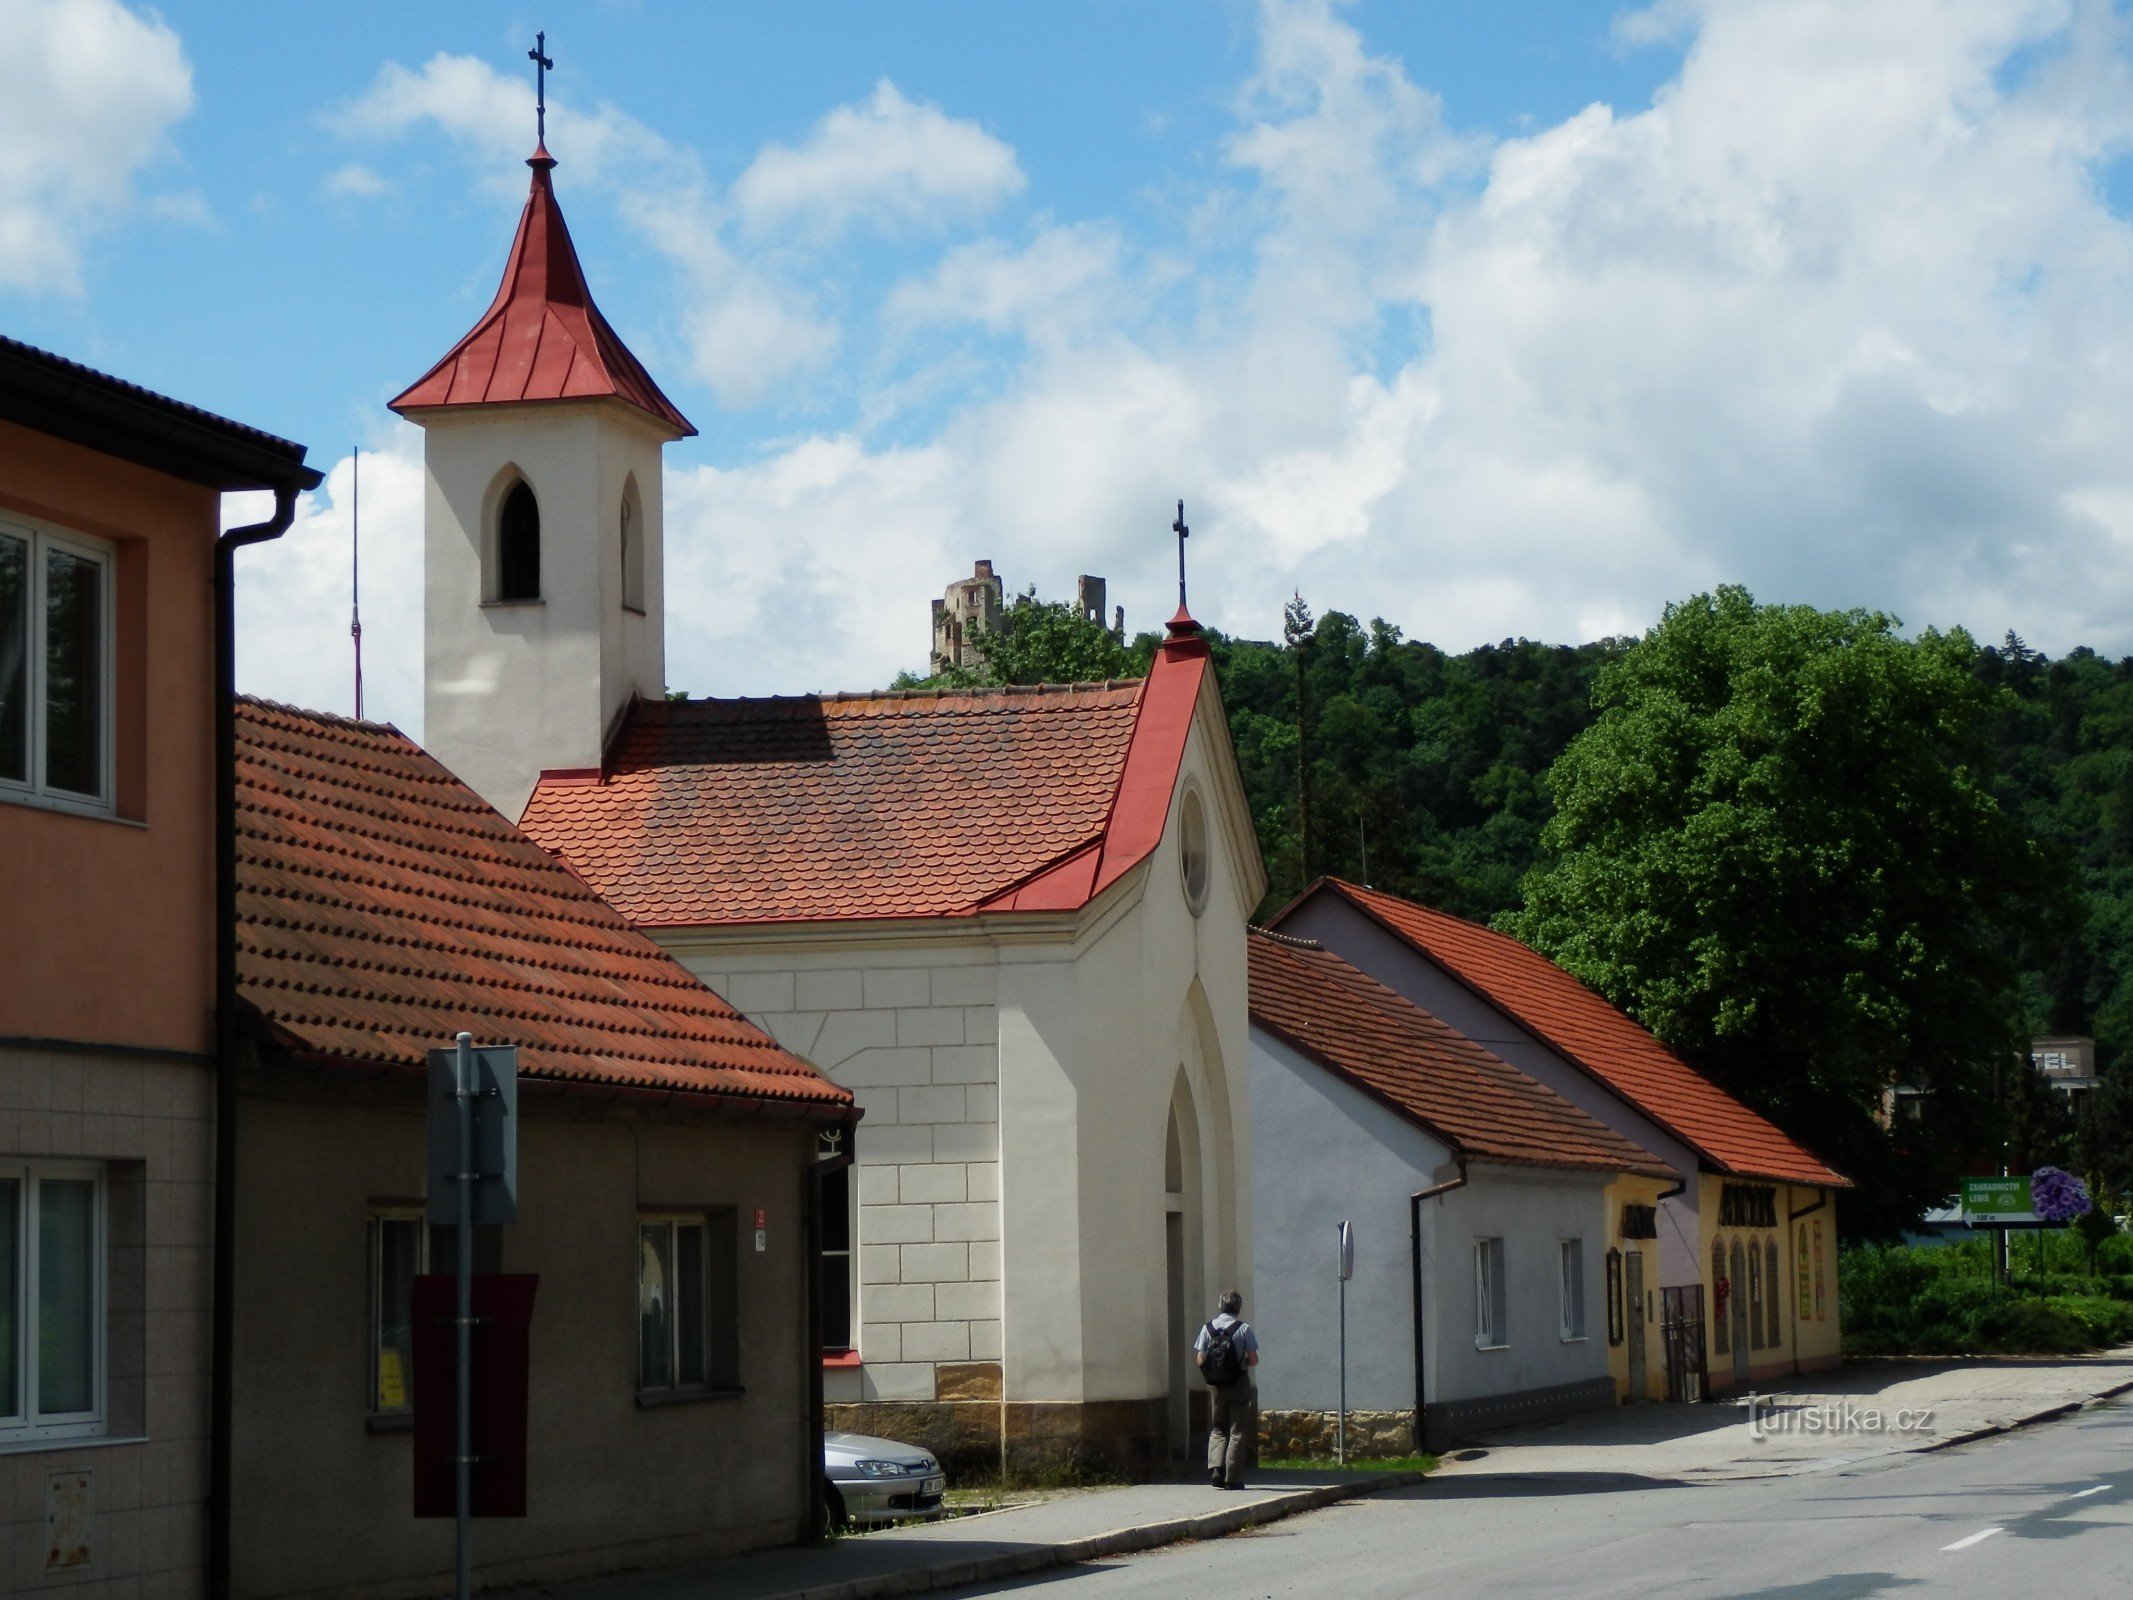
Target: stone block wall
{"points": [[918, 1046]]}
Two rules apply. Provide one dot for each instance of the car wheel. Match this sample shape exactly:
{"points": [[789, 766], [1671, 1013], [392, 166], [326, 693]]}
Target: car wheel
{"points": [[834, 1517]]}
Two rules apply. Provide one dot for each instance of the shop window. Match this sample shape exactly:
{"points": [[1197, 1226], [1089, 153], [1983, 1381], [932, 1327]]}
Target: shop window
{"points": [[1773, 1293], [1756, 1340], [56, 594], [1615, 1309], [1721, 1300], [52, 1301]]}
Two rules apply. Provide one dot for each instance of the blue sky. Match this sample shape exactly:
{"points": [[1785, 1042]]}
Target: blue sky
{"points": [[1494, 319]]}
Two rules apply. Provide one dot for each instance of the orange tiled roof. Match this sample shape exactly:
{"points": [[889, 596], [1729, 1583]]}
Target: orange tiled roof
{"points": [[915, 804], [382, 906], [1594, 1036], [1399, 1054]]}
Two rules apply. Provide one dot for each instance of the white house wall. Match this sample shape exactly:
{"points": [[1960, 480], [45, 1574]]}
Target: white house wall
{"points": [[1362, 943], [1333, 1153]]}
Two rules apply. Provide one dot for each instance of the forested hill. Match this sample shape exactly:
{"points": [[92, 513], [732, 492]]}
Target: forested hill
{"points": [[1427, 775], [1428, 778]]}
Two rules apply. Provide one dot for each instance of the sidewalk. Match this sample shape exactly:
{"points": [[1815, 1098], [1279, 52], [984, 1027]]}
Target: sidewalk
{"points": [[1867, 1409], [1081, 1526]]}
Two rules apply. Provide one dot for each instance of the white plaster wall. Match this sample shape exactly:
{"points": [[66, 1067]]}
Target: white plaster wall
{"points": [[1360, 942], [1330, 1152], [510, 690]]}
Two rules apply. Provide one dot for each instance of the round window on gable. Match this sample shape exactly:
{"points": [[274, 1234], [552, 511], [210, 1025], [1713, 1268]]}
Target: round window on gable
{"points": [[1192, 854]]}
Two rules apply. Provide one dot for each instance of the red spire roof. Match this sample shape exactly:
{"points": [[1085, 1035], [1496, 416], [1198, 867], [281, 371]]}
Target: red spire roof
{"points": [[542, 338]]}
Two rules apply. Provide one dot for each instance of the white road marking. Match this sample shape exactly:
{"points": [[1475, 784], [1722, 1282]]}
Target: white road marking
{"points": [[2084, 1494], [1975, 1538]]}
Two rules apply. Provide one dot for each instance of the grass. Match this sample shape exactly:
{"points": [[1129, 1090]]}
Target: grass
{"points": [[1355, 1464]]}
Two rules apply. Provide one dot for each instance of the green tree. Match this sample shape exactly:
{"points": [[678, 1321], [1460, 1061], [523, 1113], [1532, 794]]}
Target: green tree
{"points": [[1779, 846], [1044, 641]]}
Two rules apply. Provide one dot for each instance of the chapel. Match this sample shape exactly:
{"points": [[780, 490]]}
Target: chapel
{"points": [[1011, 921]]}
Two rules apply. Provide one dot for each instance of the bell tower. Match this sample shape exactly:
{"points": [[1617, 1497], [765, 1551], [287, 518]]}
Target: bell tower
{"points": [[542, 519]]}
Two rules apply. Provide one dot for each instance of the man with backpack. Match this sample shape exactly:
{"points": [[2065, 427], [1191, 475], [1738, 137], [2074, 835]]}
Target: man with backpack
{"points": [[1227, 1350]]}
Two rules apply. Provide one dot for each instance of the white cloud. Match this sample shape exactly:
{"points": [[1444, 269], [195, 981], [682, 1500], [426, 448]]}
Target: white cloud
{"points": [[91, 91], [1064, 278], [888, 161], [358, 182], [293, 593], [1843, 314]]}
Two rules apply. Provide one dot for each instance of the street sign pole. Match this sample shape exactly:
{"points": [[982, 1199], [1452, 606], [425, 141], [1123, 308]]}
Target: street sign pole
{"points": [[1345, 1259], [463, 1452]]}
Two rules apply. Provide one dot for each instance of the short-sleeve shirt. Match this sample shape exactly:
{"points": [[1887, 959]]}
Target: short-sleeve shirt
{"points": [[1246, 1341]]}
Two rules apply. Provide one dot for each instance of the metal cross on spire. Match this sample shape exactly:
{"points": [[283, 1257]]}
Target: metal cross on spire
{"points": [[538, 55], [1178, 527]]}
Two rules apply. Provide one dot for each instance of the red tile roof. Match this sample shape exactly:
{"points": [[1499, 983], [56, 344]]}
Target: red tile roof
{"points": [[542, 337], [1590, 1033], [1400, 1055], [382, 906], [922, 803]]}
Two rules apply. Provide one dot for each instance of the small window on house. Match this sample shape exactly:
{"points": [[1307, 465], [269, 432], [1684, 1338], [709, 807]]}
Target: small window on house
{"points": [[518, 545], [1192, 841], [399, 1253], [1490, 1329], [52, 1301], [55, 666], [687, 1310], [836, 1297], [1571, 1255], [632, 521]]}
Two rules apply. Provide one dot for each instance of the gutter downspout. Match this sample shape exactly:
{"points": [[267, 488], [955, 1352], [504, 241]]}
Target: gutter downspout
{"points": [[222, 1347], [811, 1200], [1821, 1200], [1414, 1243]]}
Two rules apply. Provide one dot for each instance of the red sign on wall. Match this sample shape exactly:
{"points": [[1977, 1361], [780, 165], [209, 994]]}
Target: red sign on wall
{"points": [[503, 1311]]}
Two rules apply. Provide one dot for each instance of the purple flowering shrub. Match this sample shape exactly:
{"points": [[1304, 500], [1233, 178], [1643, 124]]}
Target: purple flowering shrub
{"points": [[2057, 1195]]}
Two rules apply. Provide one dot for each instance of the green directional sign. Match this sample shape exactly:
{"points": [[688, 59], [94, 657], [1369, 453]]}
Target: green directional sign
{"points": [[2002, 1200]]}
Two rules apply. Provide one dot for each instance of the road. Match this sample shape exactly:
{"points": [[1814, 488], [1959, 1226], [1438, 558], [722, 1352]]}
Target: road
{"points": [[2042, 1514]]}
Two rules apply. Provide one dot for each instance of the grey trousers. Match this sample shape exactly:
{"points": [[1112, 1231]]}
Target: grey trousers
{"points": [[1231, 1427]]}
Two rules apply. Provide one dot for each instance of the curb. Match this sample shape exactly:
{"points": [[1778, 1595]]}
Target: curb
{"points": [[2049, 1414], [1119, 1541]]}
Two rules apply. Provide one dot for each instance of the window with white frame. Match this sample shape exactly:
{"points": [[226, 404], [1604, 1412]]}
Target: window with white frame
{"points": [[56, 602], [1571, 1253], [399, 1253], [52, 1296], [1490, 1329], [836, 1263], [688, 1303]]}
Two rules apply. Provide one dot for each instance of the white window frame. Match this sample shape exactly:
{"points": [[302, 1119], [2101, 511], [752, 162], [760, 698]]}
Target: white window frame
{"points": [[28, 1425], [34, 790], [373, 1240], [672, 1221], [1570, 1257], [1491, 1303]]}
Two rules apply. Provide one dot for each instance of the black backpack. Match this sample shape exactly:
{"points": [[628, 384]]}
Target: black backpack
{"points": [[1222, 1360]]}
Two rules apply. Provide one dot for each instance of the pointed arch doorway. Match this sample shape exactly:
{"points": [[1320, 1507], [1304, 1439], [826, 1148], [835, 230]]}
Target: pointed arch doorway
{"points": [[1183, 1257]]}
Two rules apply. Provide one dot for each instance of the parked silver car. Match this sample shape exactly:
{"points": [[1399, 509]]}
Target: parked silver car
{"points": [[878, 1480]]}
